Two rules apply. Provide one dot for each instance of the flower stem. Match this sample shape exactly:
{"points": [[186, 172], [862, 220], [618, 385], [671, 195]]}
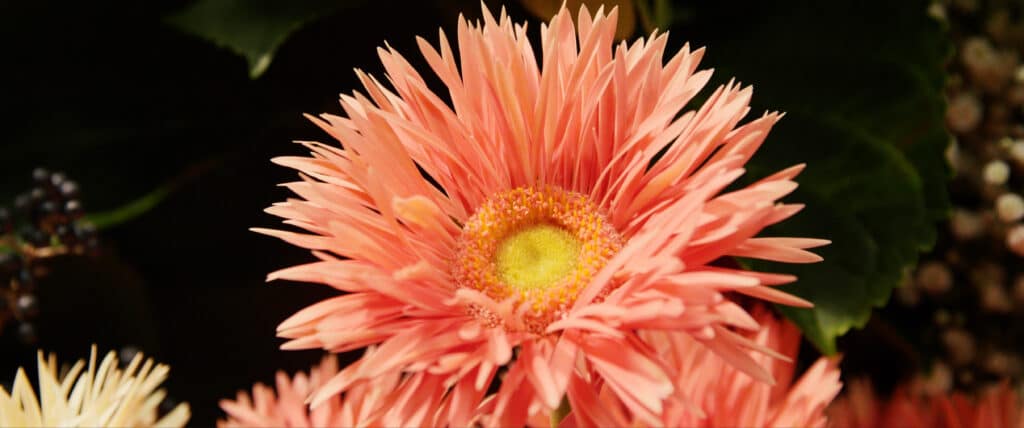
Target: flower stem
{"points": [[560, 413]]}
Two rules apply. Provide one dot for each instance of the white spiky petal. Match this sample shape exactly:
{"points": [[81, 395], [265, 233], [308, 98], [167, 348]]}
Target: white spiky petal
{"points": [[103, 395]]}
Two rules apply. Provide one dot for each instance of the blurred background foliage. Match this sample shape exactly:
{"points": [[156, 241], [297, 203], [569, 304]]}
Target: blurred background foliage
{"points": [[167, 114]]}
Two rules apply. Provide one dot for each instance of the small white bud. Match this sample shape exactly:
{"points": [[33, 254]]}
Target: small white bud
{"points": [[964, 112], [960, 346], [996, 172], [934, 278], [1017, 151], [953, 154], [966, 225], [1015, 242], [994, 299], [1010, 207]]}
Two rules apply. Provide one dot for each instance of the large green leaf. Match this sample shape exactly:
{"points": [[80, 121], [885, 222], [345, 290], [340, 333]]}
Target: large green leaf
{"points": [[861, 84], [252, 28]]}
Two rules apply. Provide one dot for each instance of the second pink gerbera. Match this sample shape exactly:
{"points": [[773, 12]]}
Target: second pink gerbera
{"points": [[725, 396], [912, 407], [386, 401], [571, 207]]}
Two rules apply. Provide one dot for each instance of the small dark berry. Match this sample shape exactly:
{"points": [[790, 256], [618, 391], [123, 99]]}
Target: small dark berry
{"points": [[25, 232], [73, 209], [45, 215], [40, 176], [46, 208], [167, 405], [92, 246], [84, 230], [28, 306], [26, 281], [27, 333], [64, 232], [35, 237], [6, 222], [126, 354], [37, 195], [57, 178], [10, 262], [69, 189], [22, 204]]}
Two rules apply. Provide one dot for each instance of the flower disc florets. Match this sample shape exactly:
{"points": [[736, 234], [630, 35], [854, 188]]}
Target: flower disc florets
{"points": [[538, 245]]}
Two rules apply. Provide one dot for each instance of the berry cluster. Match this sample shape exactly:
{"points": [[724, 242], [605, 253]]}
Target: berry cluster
{"points": [[971, 287], [46, 221]]}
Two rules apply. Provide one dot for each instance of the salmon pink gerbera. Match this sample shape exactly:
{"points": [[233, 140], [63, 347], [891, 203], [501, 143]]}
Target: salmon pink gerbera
{"points": [[726, 396], [912, 406], [384, 401], [538, 220]]}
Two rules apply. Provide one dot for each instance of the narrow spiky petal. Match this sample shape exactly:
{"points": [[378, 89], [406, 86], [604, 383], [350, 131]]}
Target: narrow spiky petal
{"points": [[388, 400], [89, 396], [712, 392]]}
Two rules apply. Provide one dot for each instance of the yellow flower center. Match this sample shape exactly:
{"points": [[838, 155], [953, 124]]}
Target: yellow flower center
{"points": [[537, 257], [539, 245]]}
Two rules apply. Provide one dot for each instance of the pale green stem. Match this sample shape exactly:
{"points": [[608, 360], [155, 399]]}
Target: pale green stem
{"points": [[560, 413]]}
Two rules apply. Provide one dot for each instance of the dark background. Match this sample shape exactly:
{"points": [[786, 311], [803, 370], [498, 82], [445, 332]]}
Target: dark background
{"points": [[124, 104]]}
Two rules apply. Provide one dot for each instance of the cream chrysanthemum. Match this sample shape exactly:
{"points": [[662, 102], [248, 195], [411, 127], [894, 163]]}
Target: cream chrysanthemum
{"points": [[100, 396]]}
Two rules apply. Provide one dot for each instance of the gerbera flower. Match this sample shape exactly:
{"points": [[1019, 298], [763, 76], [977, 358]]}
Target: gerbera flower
{"points": [[728, 397], [910, 407], [383, 401], [101, 396], [549, 212]]}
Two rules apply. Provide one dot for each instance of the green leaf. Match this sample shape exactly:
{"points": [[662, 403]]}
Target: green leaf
{"points": [[861, 83], [655, 14], [252, 28], [137, 207], [561, 412], [129, 211]]}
